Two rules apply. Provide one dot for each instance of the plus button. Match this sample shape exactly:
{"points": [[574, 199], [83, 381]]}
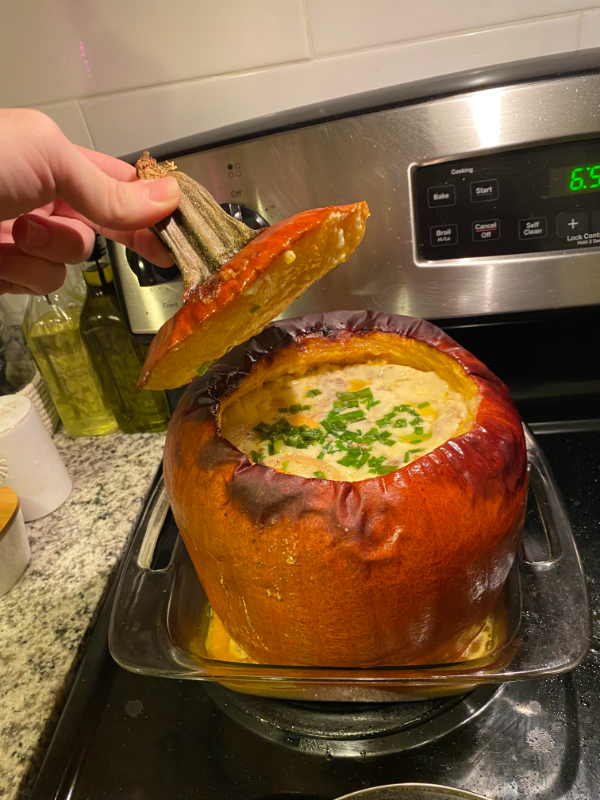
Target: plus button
{"points": [[567, 224]]}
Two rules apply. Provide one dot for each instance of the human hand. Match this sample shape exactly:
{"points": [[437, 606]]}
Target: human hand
{"points": [[55, 195]]}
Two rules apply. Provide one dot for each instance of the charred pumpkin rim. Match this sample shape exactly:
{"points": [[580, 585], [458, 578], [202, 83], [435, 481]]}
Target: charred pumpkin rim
{"points": [[344, 347]]}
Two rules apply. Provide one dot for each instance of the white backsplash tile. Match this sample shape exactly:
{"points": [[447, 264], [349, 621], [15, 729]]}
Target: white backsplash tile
{"points": [[228, 105], [69, 118], [343, 25], [60, 49], [590, 30]]}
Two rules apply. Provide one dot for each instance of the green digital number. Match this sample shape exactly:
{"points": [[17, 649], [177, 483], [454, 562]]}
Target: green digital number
{"points": [[576, 180], [595, 174]]}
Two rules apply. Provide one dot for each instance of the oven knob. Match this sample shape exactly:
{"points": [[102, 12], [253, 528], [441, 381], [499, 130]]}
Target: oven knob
{"points": [[246, 215]]}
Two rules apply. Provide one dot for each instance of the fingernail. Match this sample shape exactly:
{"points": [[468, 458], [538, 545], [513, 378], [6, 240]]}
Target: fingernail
{"points": [[36, 235], [164, 190]]}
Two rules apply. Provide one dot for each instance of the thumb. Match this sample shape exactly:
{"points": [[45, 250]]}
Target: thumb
{"points": [[97, 193]]}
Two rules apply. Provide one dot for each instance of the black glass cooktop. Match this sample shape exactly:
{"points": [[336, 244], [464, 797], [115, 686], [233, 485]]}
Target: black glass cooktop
{"points": [[141, 738]]}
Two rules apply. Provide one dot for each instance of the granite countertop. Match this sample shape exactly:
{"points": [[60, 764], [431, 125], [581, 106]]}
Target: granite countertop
{"points": [[46, 618]]}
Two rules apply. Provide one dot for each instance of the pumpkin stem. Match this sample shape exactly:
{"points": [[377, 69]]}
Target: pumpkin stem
{"points": [[200, 236]]}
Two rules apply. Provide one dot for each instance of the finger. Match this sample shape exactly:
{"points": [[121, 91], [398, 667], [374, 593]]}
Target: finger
{"points": [[144, 243], [35, 275], [58, 239], [109, 202], [114, 167], [6, 230]]}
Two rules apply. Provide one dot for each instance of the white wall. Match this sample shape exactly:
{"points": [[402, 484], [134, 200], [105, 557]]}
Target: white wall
{"points": [[122, 75]]}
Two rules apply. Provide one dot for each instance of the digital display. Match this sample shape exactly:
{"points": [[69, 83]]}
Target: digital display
{"points": [[574, 180]]}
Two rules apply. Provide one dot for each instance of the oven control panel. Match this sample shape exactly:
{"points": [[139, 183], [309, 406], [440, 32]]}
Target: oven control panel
{"points": [[523, 201]]}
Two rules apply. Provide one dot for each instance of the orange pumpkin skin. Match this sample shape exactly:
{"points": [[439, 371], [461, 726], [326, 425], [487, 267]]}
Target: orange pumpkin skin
{"points": [[399, 569], [227, 308]]}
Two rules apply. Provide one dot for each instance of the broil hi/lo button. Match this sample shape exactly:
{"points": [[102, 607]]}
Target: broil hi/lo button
{"points": [[443, 234], [486, 230]]}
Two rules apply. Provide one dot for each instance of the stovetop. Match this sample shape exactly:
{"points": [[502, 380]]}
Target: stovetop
{"points": [[137, 737]]}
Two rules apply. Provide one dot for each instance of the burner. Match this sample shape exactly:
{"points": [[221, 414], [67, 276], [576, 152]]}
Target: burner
{"points": [[351, 729]]}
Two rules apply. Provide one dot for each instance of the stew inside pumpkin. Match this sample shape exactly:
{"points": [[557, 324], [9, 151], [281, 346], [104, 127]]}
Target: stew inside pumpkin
{"points": [[347, 422]]}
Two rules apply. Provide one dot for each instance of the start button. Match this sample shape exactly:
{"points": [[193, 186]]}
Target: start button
{"points": [[484, 190]]}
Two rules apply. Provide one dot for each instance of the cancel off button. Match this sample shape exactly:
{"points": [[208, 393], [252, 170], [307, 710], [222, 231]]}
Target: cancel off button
{"points": [[535, 228]]}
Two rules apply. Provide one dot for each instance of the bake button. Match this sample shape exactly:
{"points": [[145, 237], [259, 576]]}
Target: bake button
{"points": [[486, 230], [534, 228], [443, 234], [570, 224], [484, 190], [441, 196]]}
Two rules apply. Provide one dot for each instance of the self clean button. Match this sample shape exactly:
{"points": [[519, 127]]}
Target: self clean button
{"points": [[484, 190], [533, 228], [441, 196], [443, 234]]}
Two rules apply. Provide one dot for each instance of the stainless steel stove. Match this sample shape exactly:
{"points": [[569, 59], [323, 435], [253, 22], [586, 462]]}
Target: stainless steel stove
{"points": [[486, 219]]}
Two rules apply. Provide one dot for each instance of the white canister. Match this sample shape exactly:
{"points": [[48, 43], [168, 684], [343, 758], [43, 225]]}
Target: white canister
{"points": [[29, 461], [14, 544]]}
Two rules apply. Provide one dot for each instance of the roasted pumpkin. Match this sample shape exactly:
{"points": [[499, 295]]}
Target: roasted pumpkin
{"points": [[236, 280], [398, 568]]}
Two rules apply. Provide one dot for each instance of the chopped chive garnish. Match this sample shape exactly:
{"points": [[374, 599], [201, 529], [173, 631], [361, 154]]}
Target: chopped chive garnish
{"points": [[387, 469], [295, 408], [408, 454], [305, 408], [416, 421], [278, 445], [313, 392], [285, 464], [256, 456], [254, 309], [321, 455], [352, 416], [419, 430], [423, 405], [349, 461], [271, 448], [320, 474], [283, 410], [363, 459], [371, 403], [413, 439], [400, 423]]}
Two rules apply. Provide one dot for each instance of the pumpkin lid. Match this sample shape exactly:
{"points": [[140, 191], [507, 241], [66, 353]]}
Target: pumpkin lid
{"points": [[231, 293]]}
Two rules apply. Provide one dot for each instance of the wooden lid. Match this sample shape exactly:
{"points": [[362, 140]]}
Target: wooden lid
{"points": [[9, 508]]}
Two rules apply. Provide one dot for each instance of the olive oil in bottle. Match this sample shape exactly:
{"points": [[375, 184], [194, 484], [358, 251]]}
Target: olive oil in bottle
{"points": [[51, 329], [117, 358]]}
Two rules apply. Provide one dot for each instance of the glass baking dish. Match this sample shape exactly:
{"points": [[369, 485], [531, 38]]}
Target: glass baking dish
{"points": [[542, 622]]}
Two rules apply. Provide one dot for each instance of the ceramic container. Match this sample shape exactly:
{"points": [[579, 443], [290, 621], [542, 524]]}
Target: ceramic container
{"points": [[29, 461], [14, 544]]}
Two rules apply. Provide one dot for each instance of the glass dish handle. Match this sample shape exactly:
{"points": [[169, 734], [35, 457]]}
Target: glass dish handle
{"points": [[139, 632]]}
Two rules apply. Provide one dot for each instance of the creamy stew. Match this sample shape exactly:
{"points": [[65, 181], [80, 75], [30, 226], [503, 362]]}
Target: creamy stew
{"points": [[346, 423]]}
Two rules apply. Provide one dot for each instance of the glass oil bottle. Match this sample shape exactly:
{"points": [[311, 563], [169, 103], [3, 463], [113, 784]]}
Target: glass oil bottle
{"points": [[51, 329], [117, 358]]}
